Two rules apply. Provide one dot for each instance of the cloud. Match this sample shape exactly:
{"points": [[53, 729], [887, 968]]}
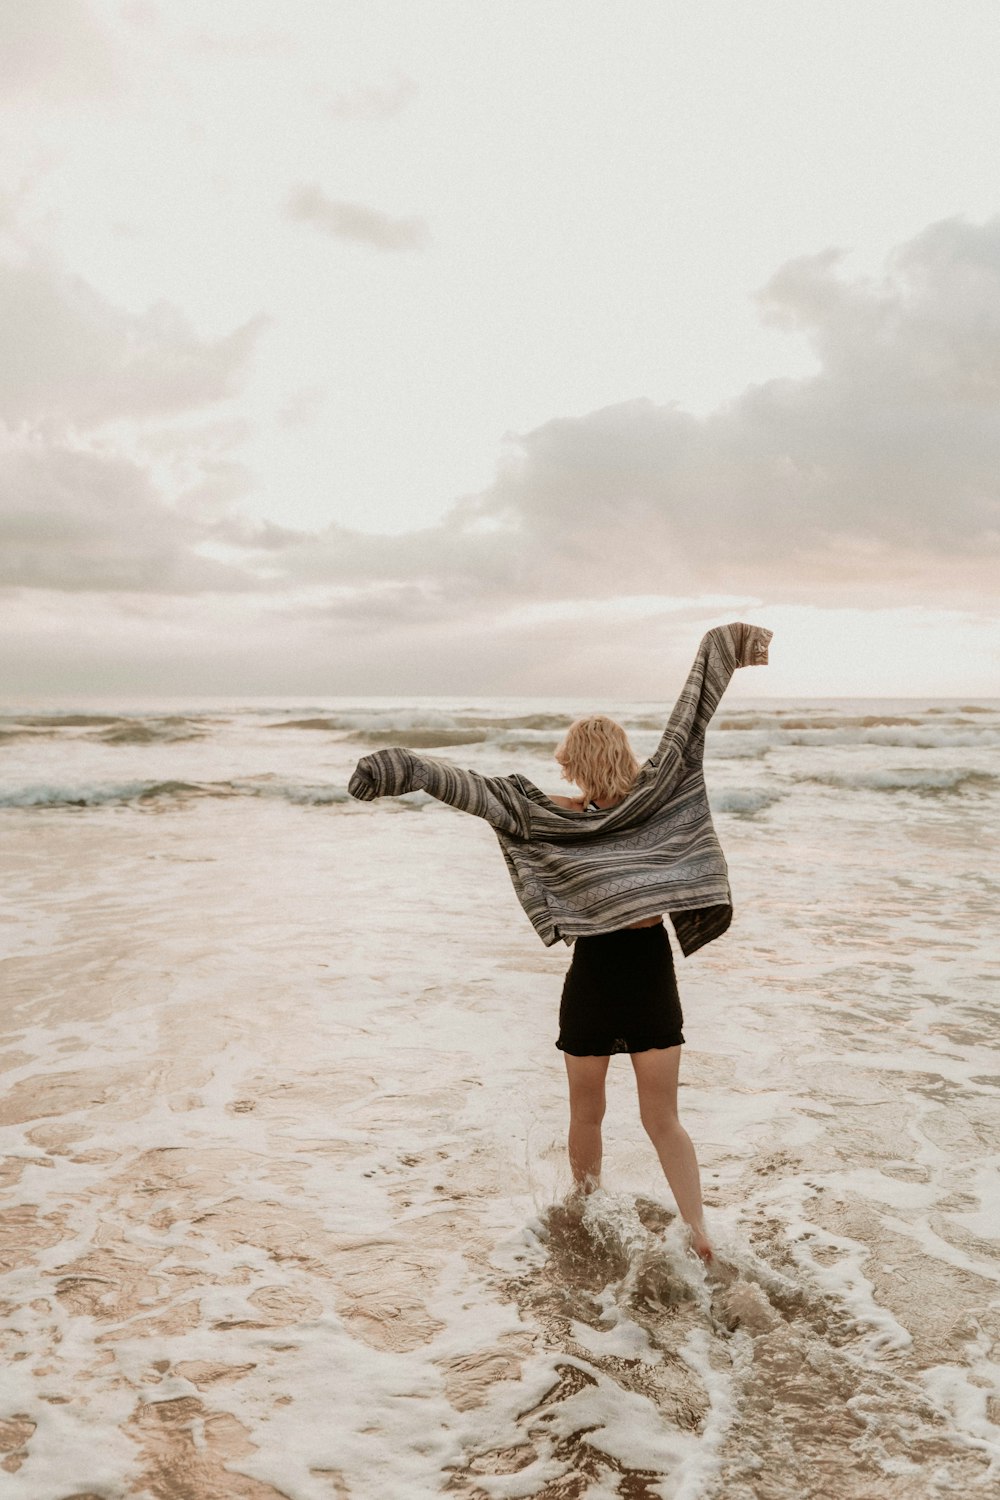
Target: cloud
{"points": [[54, 48], [894, 442], [236, 530], [77, 521], [70, 355], [373, 101], [874, 480], [930, 329], [90, 513], [308, 204]]}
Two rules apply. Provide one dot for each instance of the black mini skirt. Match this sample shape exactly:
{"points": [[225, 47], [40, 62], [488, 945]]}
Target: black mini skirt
{"points": [[620, 994]]}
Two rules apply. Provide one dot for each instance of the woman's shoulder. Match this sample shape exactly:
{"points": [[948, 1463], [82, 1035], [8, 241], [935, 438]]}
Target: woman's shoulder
{"points": [[575, 804]]}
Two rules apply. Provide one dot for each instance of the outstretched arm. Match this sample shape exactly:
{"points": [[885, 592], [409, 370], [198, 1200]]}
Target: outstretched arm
{"points": [[722, 650], [388, 773]]}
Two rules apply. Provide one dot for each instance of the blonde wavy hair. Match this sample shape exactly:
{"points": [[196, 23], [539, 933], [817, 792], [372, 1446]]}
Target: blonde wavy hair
{"points": [[595, 754]]}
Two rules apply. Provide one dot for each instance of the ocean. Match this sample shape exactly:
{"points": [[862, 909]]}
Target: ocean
{"points": [[285, 1197]]}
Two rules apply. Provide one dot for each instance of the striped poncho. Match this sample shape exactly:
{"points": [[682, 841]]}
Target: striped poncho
{"points": [[581, 873]]}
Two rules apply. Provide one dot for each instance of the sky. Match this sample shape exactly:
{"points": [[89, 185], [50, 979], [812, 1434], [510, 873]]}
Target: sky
{"points": [[449, 348]]}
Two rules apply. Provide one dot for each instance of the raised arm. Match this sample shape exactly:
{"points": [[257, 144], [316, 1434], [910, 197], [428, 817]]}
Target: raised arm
{"points": [[388, 773], [722, 650]]}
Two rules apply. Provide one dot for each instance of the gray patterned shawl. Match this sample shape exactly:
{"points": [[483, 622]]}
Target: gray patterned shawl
{"points": [[579, 873]]}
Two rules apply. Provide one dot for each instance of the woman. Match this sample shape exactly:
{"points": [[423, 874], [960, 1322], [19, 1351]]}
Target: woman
{"points": [[590, 871], [620, 995]]}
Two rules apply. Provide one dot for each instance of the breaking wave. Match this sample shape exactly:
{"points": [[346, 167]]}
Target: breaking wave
{"points": [[112, 729], [796, 719], [744, 802], [379, 726], [65, 721], [738, 801], [25, 734], [735, 733], [861, 729], [150, 732], [749, 734], [417, 739], [927, 782], [146, 793]]}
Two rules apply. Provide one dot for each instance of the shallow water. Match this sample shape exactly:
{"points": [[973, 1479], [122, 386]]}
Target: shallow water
{"points": [[284, 1186]]}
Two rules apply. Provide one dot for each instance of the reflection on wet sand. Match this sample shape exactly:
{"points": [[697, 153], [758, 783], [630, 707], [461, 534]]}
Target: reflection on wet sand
{"points": [[285, 1216]]}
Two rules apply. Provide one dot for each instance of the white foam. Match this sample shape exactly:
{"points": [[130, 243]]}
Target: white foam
{"points": [[722, 1388], [964, 1392], [623, 1338], [743, 800], [246, 950], [843, 1280]]}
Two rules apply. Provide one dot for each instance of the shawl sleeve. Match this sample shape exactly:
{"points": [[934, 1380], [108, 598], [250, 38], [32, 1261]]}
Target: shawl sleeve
{"points": [[387, 773], [721, 652]]}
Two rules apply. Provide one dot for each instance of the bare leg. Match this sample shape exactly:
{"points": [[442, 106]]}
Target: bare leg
{"points": [[586, 1077], [656, 1080]]}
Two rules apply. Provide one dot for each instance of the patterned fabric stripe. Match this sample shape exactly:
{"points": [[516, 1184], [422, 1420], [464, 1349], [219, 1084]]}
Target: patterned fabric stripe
{"points": [[577, 873], [389, 773]]}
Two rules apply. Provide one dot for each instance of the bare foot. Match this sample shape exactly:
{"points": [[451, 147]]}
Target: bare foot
{"points": [[583, 1188], [701, 1244]]}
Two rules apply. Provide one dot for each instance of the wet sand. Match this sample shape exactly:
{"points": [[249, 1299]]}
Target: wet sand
{"points": [[283, 1179]]}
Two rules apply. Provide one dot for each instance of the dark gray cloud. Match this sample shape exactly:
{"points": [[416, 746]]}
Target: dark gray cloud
{"points": [[308, 204], [72, 356]]}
